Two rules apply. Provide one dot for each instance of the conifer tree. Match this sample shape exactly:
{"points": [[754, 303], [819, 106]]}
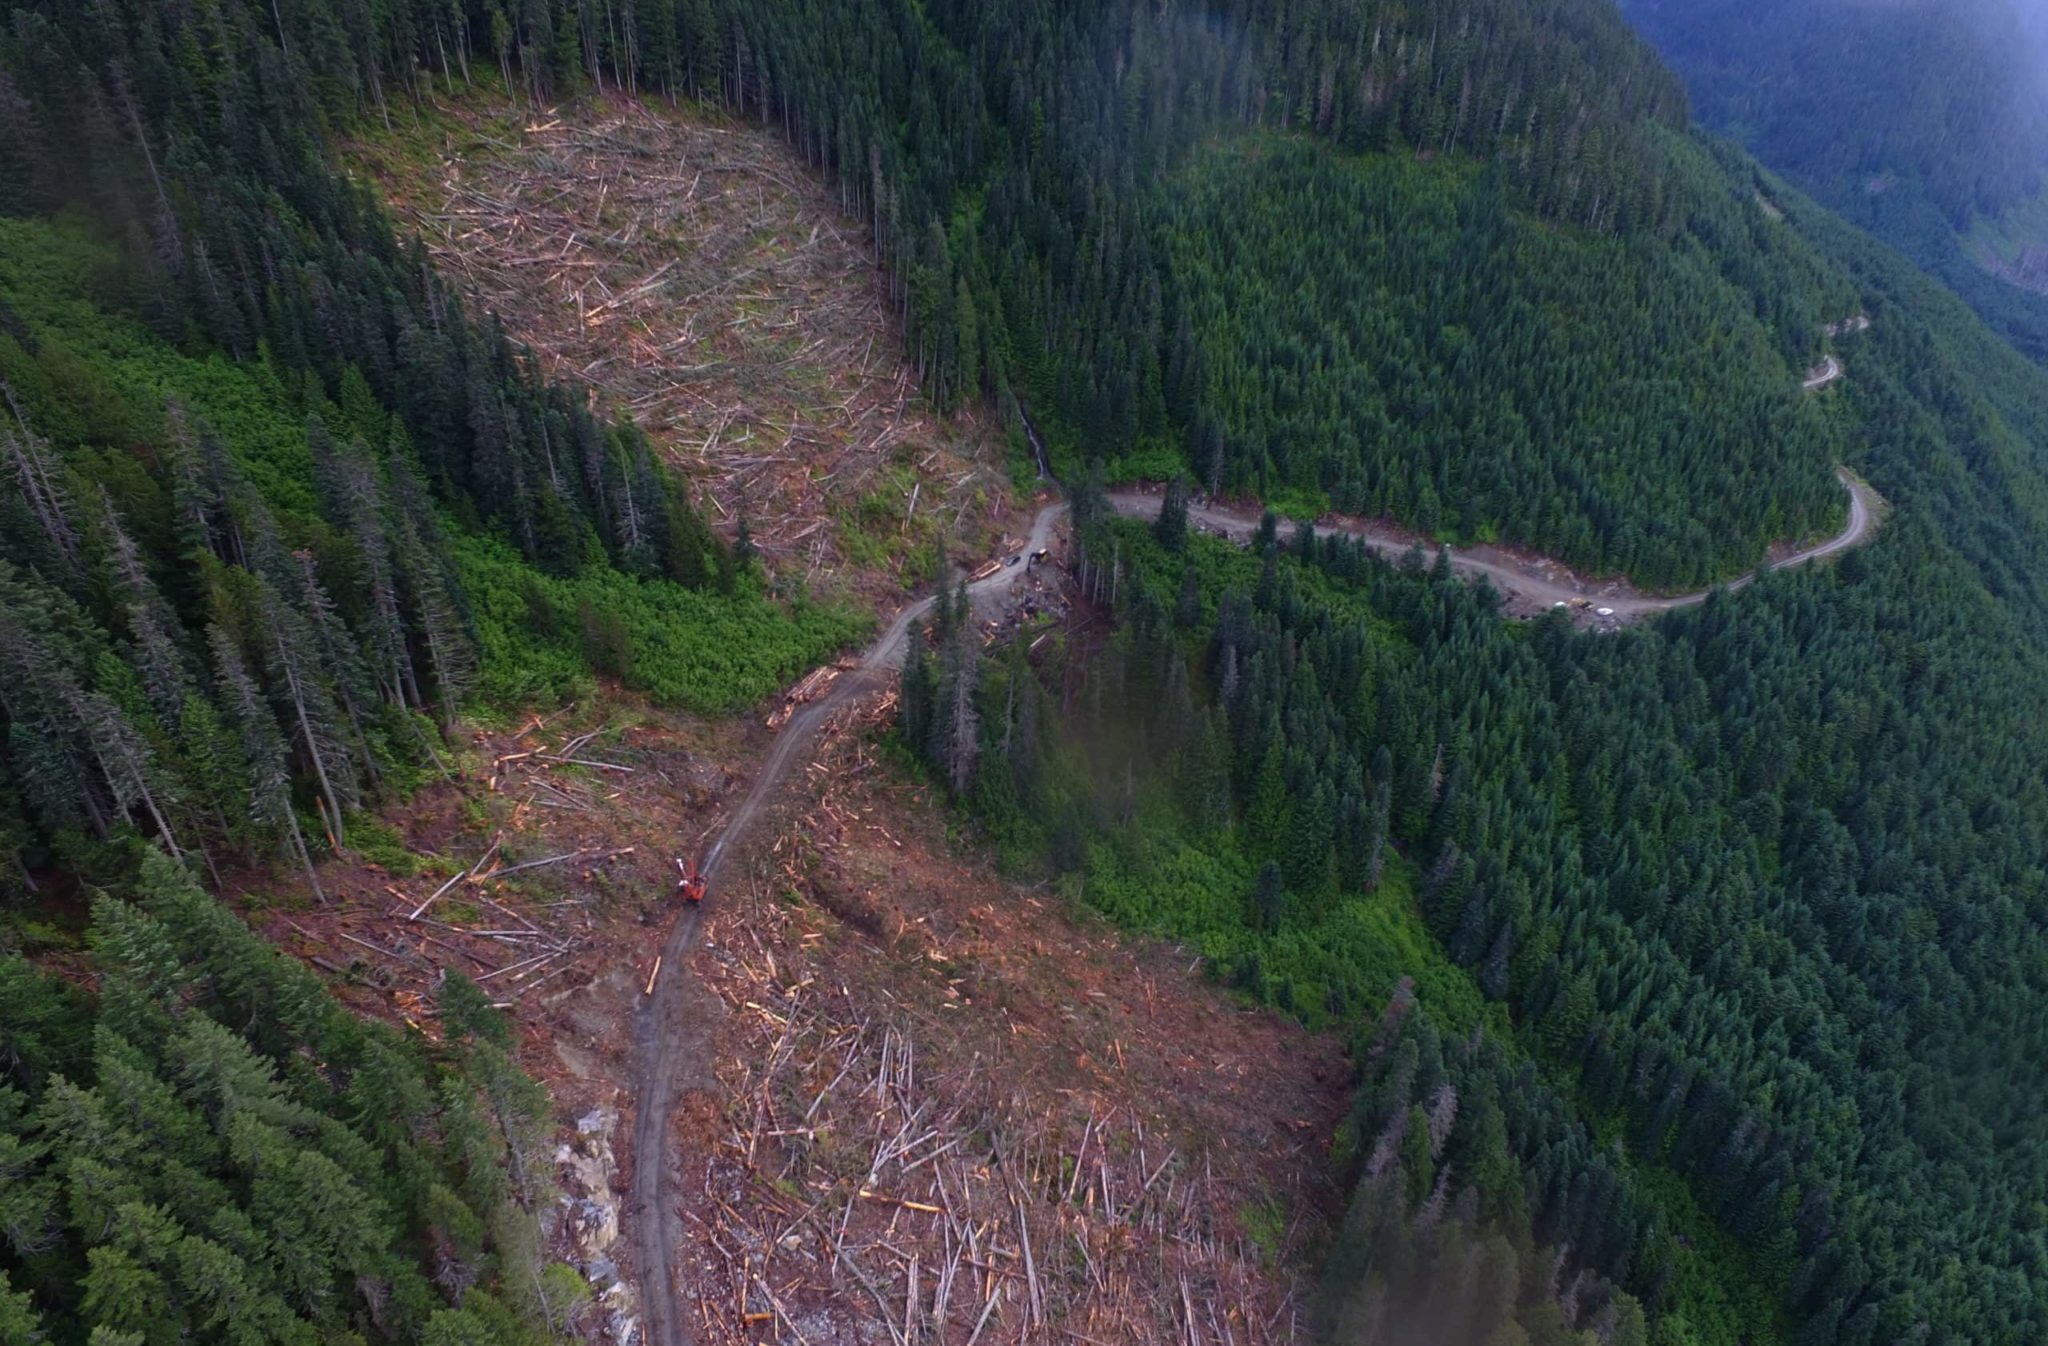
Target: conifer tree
{"points": [[1171, 527], [41, 483], [268, 781], [434, 594], [307, 705], [1268, 809], [20, 1324], [959, 718], [152, 625], [918, 691], [1375, 847], [1269, 896]]}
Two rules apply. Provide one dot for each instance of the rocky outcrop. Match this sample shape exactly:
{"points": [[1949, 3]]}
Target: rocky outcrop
{"points": [[590, 1221]]}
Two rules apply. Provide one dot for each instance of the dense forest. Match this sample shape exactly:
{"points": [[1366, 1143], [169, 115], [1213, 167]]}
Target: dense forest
{"points": [[1395, 336], [212, 1149]]}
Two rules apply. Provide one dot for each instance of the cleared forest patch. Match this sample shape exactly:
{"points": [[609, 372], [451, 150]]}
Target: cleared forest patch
{"points": [[946, 1103], [694, 276], [905, 1068]]}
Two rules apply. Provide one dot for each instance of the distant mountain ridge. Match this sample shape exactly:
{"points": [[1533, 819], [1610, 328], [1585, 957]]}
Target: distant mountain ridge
{"points": [[1836, 92], [1924, 123]]}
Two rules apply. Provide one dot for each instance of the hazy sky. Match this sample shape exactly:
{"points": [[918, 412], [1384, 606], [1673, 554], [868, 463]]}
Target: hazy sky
{"points": [[2034, 14]]}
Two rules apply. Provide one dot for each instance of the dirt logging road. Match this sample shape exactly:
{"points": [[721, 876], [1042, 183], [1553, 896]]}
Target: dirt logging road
{"points": [[1822, 374], [664, 1026], [1534, 583]]}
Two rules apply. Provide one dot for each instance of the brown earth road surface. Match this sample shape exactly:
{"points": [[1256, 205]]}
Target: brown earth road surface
{"points": [[1537, 583], [664, 1024]]}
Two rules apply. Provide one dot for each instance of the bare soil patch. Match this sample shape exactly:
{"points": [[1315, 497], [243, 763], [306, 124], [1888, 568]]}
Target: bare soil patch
{"points": [[544, 869]]}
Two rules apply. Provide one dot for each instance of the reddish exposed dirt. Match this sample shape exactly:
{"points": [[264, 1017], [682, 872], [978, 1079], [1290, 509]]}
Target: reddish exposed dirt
{"points": [[601, 915], [925, 1065]]}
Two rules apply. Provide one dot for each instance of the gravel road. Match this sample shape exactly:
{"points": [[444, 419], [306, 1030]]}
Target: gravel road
{"points": [[1537, 583]]}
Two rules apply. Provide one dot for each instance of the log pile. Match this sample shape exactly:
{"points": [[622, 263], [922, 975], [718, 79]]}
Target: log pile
{"points": [[854, 1181], [813, 685]]}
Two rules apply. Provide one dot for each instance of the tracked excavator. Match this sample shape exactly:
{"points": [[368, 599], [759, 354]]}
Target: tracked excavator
{"points": [[690, 887]]}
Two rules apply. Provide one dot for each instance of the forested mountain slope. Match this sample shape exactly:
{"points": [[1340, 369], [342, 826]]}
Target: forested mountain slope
{"points": [[209, 1147], [1724, 934], [1924, 121], [1398, 334], [1734, 915]]}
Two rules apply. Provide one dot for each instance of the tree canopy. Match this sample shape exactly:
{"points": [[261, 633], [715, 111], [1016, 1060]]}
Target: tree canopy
{"points": [[212, 1149]]}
